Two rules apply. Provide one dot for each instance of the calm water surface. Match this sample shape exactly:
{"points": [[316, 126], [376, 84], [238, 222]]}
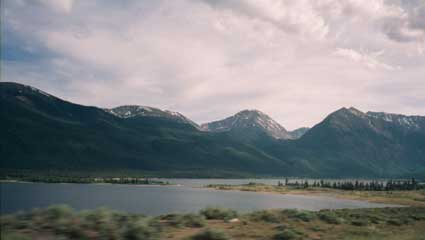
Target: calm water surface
{"points": [[155, 200]]}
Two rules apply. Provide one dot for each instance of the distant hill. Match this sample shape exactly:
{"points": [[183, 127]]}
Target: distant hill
{"points": [[43, 132]]}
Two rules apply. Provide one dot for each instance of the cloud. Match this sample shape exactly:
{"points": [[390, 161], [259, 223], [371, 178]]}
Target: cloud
{"points": [[59, 5], [295, 60], [369, 60], [298, 17]]}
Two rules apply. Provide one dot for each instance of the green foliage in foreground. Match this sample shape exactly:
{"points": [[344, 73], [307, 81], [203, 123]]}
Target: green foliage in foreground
{"points": [[330, 217], [62, 222], [287, 235], [218, 213], [302, 215], [185, 220], [265, 216], [210, 234]]}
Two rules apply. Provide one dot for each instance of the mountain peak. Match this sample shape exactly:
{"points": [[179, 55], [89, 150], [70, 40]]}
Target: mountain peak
{"points": [[348, 112], [251, 113], [349, 118], [131, 111], [356, 112], [249, 119]]}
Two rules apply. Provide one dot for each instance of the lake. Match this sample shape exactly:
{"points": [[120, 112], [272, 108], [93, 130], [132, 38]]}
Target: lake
{"points": [[155, 200]]}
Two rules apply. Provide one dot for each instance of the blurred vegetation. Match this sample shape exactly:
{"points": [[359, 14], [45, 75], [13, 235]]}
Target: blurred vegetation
{"points": [[286, 235], [62, 222], [218, 213], [185, 220], [265, 216], [210, 234]]}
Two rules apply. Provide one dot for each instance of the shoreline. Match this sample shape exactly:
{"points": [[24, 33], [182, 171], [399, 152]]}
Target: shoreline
{"points": [[413, 198], [92, 183]]}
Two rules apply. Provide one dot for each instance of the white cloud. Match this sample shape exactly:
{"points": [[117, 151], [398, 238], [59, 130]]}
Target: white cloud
{"points": [[369, 60], [296, 60], [59, 5]]}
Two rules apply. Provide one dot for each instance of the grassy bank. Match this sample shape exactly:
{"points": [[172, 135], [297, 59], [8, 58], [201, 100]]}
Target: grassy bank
{"points": [[408, 198], [61, 222]]}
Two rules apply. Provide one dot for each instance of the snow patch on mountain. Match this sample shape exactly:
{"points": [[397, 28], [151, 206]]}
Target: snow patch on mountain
{"points": [[130, 111], [415, 122], [247, 119]]}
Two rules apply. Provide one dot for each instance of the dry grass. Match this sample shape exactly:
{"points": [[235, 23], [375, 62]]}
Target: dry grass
{"points": [[249, 228], [406, 223], [408, 198]]}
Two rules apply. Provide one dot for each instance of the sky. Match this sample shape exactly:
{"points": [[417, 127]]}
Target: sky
{"points": [[296, 61]]}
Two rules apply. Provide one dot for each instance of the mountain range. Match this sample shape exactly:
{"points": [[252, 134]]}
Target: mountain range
{"points": [[41, 131]]}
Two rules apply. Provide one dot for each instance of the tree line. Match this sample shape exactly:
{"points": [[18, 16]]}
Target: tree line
{"points": [[390, 185], [75, 179]]}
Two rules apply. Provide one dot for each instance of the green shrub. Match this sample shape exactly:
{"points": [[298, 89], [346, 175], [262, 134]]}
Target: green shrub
{"points": [[210, 234], [287, 234], [330, 217], [186, 220], [61, 225], [97, 217], [316, 228], [9, 221], [289, 212], [140, 230], [400, 221], [282, 227], [265, 216], [360, 222], [76, 232], [375, 219], [394, 222], [56, 217], [418, 217], [218, 213], [122, 219], [14, 236], [57, 212], [305, 216], [193, 220], [175, 220]]}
